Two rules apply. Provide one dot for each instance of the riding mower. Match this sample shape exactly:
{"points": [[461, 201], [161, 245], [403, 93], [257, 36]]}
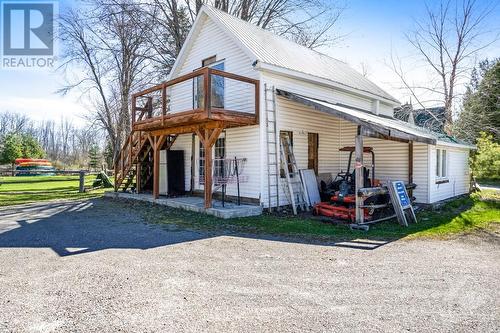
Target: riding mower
{"points": [[339, 197]]}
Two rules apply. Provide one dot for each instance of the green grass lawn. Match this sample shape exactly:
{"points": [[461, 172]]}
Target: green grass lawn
{"points": [[479, 211], [18, 190], [463, 215]]}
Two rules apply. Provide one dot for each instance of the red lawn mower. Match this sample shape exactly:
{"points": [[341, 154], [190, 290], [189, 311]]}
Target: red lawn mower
{"points": [[339, 199]]}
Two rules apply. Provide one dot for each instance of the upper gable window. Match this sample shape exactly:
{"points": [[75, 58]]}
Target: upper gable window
{"points": [[208, 61]]}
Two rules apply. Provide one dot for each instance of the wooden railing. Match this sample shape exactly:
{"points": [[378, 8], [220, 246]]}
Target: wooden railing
{"points": [[187, 95]]}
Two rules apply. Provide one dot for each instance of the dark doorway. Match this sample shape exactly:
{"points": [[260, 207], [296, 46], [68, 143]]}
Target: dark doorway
{"points": [[312, 151], [175, 165]]}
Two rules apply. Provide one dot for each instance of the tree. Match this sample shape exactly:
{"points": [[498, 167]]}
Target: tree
{"points": [[166, 23], [486, 161], [31, 147], [119, 46], [480, 109], [94, 157], [446, 40], [111, 53], [12, 148]]}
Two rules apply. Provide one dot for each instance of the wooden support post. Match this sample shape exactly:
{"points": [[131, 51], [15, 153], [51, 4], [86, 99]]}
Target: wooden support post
{"points": [[207, 138], [410, 166], [81, 188], [208, 174], [359, 176], [156, 169], [138, 176], [193, 160]]}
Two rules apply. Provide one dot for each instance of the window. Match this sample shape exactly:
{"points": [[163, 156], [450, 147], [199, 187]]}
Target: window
{"points": [[219, 152], [441, 164], [217, 96], [288, 134]]}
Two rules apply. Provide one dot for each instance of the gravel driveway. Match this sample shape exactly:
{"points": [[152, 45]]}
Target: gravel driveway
{"points": [[93, 266]]}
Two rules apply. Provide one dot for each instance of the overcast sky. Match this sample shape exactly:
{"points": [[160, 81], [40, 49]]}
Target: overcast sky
{"points": [[372, 28]]}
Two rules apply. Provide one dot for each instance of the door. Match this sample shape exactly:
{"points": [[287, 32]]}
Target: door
{"points": [[312, 151], [175, 175]]}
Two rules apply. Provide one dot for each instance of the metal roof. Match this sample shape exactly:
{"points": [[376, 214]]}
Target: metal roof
{"points": [[387, 127], [277, 51]]}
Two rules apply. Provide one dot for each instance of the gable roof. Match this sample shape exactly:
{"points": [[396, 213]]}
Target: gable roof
{"points": [[277, 52]]}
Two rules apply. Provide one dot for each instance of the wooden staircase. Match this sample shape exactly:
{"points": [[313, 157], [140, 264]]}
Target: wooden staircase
{"points": [[135, 153]]}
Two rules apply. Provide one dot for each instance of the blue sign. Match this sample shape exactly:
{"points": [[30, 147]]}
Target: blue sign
{"points": [[402, 195]]}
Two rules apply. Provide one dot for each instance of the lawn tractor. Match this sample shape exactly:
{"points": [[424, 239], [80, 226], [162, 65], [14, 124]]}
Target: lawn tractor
{"points": [[339, 198]]}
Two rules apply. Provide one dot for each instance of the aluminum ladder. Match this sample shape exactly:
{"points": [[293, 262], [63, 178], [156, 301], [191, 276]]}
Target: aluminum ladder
{"points": [[296, 191], [273, 175]]}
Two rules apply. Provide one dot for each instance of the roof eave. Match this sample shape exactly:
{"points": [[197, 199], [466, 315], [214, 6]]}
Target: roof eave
{"points": [[455, 145], [259, 65]]}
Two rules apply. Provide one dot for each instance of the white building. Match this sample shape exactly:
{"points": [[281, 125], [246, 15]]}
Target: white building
{"points": [[320, 101]]}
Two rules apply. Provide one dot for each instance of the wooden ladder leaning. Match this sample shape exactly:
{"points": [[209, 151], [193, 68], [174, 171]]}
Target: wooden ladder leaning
{"points": [[273, 175], [296, 191]]}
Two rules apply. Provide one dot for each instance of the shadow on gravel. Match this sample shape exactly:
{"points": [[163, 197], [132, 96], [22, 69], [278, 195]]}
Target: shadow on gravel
{"points": [[79, 227], [70, 228]]}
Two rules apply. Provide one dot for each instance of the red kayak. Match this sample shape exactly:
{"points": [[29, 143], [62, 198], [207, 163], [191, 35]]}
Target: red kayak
{"points": [[30, 160]]}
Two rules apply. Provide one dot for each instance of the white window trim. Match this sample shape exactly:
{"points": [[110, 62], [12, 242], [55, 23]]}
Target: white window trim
{"points": [[439, 163]]}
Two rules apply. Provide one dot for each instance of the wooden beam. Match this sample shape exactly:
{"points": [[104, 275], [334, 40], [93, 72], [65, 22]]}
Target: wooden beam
{"points": [[156, 170], [358, 166], [138, 177], [410, 166], [208, 172], [208, 137], [376, 135]]}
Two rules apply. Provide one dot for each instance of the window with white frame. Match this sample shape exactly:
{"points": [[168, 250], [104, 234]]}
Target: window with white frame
{"points": [[441, 164]]}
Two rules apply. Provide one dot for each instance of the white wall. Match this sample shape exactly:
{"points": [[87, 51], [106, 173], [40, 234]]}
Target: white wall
{"points": [[212, 41], [421, 171], [458, 173], [334, 133]]}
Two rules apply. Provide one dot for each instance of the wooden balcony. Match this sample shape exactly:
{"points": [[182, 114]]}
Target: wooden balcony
{"points": [[204, 98]]}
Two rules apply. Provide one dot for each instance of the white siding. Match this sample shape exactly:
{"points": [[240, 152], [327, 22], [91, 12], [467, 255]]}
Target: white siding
{"points": [[391, 158], [317, 91], [458, 174], [386, 110], [421, 172], [241, 142], [212, 41], [334, 133]]}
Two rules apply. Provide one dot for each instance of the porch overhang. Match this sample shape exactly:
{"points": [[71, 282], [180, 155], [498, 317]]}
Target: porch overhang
{"points": [[371, 124]]}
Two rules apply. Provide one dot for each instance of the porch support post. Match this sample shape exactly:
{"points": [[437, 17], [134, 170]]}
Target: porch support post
{"points": [[208, 173], [359, 176], [410, 165], [156, 169], [207, 138], [138, 176]]}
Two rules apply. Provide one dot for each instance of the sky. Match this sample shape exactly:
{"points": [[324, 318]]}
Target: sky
{"points": [[372, 29]]}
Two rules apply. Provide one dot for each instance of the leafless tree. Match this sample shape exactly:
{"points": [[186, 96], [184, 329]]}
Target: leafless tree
{"points": [[167, 22], [118, 46], [110, 52], [11, 122], [446, 39]]}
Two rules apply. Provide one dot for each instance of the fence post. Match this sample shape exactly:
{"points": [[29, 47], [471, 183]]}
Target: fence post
{"points": [[81, 189]]}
